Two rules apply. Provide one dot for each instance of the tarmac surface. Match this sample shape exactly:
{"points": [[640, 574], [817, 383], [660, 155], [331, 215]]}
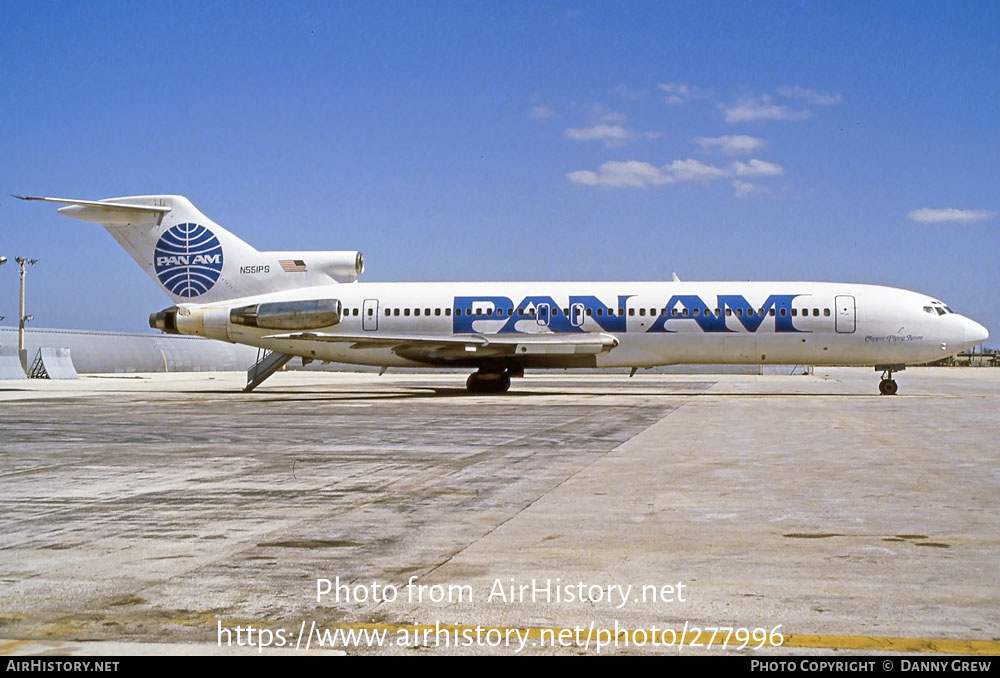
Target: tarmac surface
{"points": [[168, 513]]}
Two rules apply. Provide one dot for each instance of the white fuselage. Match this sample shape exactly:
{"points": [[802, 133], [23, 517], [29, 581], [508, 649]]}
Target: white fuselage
{"points": [[655, 323], [310, 304]]}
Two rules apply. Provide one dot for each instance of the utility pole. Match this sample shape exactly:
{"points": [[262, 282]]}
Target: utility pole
{"points": [[22, 352]]}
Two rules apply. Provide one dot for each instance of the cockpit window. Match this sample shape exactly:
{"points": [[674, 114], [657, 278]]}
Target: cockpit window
{"points": [[937, 307]]}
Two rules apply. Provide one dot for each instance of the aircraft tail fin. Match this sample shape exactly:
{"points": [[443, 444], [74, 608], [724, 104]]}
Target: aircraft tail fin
{"points": [[193, 259]]}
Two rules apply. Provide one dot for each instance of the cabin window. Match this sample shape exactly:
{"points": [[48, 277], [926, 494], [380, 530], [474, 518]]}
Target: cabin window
{"points": [[739, 313], [395, 311], [673, 312], [795, 312], [816, 312], [479, 311], [406, 311], [642, 311], [589, 312], [600, 311], [771, 313], [782, 313], [631, 311], [387, 312], [416, 311], [826, 312], [437, 311], [729, 313], [447, 311]]}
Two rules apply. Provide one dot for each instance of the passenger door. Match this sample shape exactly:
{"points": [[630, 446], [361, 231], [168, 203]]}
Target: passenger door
{"points": [[369, 313]]}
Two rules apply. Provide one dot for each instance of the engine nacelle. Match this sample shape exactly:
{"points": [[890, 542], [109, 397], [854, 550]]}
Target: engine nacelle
{"points": [[341, 266], [165, 320], [344, 266], [308, 314]]}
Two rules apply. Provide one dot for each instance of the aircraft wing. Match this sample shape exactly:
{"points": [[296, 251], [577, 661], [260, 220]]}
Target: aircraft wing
{"points": [[454, 346]]}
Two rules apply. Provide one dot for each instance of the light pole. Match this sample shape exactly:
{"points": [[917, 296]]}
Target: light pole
{"points": [[22, 352], [3, 260]]}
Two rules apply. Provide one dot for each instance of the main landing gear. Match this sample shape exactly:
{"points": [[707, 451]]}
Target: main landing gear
{"points": [[488, 382], [888, 385]]}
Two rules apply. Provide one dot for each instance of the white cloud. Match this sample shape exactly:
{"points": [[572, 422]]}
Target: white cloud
{"points": [[652, 134], [760, 108], [629, 94], [676, 92], [621, 173], [810, 96], [638, 174], [613, 116], [693, 170], [610, 135], [930, 215], [757, 168], [734, 144], [541, 112], [742, 189]]}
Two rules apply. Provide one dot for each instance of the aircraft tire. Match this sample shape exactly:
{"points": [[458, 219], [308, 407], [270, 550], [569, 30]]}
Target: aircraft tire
{"points": [[888, 387], [477, 384]]}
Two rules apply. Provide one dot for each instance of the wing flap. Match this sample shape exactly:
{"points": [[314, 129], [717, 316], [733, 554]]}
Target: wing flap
{"points": [[472, 345]]}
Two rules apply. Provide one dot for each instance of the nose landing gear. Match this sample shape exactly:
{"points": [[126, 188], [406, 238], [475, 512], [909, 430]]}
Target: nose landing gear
{"points": [[888, 385]]}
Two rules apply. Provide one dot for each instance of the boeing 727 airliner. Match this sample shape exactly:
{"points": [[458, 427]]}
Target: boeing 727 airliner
{"points": [[309, 304]]}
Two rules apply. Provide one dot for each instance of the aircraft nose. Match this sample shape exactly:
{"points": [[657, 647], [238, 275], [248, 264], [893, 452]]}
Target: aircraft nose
{"points": [[975, 333]]}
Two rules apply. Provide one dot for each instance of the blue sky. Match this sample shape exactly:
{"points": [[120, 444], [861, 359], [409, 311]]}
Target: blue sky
{"points": [[854, 142]]}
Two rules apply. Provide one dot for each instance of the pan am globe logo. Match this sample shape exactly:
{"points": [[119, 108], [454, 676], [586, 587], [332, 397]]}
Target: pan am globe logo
{"points": [[188, 260]]}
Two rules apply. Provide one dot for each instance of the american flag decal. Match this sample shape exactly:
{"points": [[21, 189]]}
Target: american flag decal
{"points": [[292, 265]]}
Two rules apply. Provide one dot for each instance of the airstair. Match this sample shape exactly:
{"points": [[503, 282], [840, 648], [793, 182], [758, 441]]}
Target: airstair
{"points": [[268, 362]]}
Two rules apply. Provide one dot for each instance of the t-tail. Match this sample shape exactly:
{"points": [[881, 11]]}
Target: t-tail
{"points": [[194, 260]]}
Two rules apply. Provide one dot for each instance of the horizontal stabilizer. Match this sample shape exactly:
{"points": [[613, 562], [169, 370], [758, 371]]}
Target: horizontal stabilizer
{"points": [[107, 212], [99, 203]]}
